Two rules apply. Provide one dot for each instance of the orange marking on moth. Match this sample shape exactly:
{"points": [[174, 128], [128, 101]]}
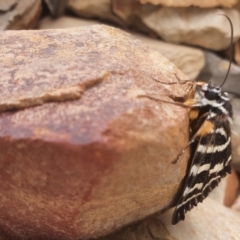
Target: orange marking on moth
{"points": [[205, 129], [193, 114]]}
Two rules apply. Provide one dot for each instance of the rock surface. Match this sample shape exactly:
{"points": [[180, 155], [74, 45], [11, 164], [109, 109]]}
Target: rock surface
{"points": [[189, 3], [194, 26], [188, 59], [86, 167], [22, 14]]}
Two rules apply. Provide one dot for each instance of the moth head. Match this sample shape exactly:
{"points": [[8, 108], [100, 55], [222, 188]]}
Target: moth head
{"points": [[211, 92]]}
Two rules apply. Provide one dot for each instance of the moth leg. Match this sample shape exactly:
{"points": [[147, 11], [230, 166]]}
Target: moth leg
{"points": [[184, 149], [171, 83], [160, 100], [193, 139], [179, 81]]}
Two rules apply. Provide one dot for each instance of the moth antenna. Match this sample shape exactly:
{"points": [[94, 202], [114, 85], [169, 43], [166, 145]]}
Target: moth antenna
{"points": [[231, 49]]}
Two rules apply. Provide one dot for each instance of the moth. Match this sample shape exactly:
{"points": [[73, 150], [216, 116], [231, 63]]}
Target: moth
{"points": [[210, 115]]}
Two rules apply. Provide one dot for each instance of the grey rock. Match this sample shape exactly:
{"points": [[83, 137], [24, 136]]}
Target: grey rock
{"points": [[215, 70]]}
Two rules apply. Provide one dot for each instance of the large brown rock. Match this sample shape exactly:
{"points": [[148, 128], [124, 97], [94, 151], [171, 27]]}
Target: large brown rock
{"points": [[188, 59], [81, 153]]}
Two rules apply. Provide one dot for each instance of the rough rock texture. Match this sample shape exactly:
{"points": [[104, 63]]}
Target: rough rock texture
{"points": [[83, 168], [194, 26], [22, 14], [210, 220], [190, 60], [189, 3]]}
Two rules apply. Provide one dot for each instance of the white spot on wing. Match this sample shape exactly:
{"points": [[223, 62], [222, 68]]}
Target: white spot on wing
{"points": [[217, 168], [211, 115], [189, 190], [196, 169], [222, 132], [229, 159], [213, 148]]}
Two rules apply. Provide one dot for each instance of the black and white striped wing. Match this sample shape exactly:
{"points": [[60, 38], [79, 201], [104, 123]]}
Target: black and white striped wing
{"points": [[210, 162]]}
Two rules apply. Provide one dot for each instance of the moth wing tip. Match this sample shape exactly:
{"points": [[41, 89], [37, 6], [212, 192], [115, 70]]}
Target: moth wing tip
{"points": [[177, 216]]}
